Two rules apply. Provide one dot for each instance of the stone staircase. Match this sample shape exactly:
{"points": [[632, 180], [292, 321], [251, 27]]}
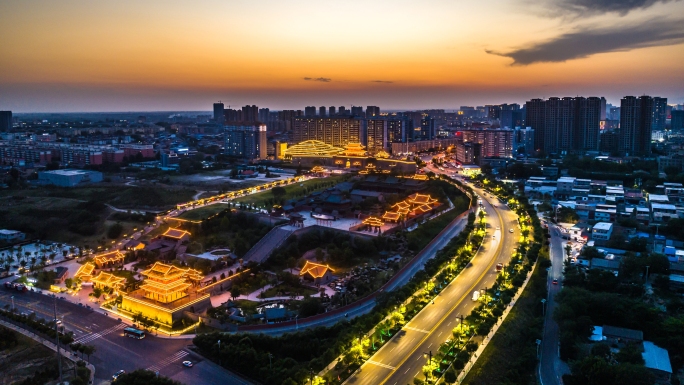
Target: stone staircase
{"points": [[263, 249]]}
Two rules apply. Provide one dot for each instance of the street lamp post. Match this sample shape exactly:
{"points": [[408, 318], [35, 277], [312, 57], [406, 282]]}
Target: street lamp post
{"points": [[219, 352], [59, 354], [296, 322], [13, 308], [538, 343], [543, 301], [429, 356], [270, 356]]}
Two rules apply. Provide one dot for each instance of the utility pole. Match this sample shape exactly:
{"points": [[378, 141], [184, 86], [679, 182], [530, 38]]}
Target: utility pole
{"points": [[59, 354], [543, 301]]}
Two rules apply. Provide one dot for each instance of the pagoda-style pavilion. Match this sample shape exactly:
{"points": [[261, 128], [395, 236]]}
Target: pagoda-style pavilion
{"points": [[320, 274], [413, 206], [105, 280], [108, 258], [85, 272], [166, 292], [167, 283]]}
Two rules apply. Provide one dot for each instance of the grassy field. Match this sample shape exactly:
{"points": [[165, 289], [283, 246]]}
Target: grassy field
{"points": [[63, 220], [203, 212], [26, 360], [297, 190], [152, 198]]}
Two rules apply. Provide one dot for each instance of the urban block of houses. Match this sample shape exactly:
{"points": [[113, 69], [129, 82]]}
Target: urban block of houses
{"points": [[656, 359]]}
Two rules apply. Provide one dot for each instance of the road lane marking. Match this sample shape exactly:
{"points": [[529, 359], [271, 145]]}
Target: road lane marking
{"points": [[459, 302], [407, 370], [380, 364], [416, 330]]}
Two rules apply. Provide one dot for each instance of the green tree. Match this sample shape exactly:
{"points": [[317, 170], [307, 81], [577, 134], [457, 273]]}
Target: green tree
{"points": [[235, 292], [450, 376], [144, 377], [114, 231]]}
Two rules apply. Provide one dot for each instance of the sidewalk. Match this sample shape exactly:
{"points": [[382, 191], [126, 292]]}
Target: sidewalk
{"points": [[52, 346]]}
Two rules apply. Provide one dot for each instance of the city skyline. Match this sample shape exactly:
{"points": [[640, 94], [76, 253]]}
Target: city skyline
{"points": [[83, 57]]}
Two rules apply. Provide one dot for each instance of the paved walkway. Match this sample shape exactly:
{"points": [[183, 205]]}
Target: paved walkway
{"points": [[217, 300]]}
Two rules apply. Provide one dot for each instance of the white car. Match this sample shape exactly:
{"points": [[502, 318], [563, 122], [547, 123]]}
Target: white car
{"points": [[187, 364], [117, 374], [476, 295], [510, 230]]}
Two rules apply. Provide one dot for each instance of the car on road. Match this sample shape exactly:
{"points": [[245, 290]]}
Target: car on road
{"points": [[499, 266], [476, 295], [118, 374], [498, 228], [187, 364], [510, 230], [555, 282]]}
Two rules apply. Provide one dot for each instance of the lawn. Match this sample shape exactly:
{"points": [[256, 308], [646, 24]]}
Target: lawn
{"points": [[284, 290], [203, 212], [296, 190], [425, 233], [158, 198], [64, 220]]}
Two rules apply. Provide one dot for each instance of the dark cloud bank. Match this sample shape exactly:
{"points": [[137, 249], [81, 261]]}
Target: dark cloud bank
{"points": [[586, 42]]}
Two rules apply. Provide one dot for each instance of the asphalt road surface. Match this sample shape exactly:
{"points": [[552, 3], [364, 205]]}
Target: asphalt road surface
{"points": [[551, 368], [114, 351], [402, 358]]}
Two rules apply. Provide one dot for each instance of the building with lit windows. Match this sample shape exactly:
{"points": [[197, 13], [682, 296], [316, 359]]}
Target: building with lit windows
{"points": [[335, 131], [110, 258], [166, 293], [376, 135], [246, 140]]}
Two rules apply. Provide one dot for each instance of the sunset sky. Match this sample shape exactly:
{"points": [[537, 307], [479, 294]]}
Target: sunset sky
{"points": [[60, 56]]}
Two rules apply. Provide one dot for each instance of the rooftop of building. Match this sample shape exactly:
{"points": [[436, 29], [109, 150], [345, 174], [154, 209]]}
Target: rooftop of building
{"points": [[603, 226], [656, 357], [614, 331]]}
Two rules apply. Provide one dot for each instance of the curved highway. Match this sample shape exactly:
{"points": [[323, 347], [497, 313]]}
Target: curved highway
{"points": [[402, 358]]}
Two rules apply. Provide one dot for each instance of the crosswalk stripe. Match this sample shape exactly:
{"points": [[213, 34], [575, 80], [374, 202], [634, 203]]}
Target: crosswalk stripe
{"points": [[167, 361], [93, 336], [381, 365]]}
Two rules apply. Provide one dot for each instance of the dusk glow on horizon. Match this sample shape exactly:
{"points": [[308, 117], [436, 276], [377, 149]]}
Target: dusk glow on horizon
{"points": [[174, 55]]}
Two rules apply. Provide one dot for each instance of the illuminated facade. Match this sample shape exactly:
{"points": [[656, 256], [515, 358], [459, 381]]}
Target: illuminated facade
{"points": [[312, 148], [105, 280], [316, 272], [85, 272], [166, 292], [413, 206], [109, 258], [337, 131]]}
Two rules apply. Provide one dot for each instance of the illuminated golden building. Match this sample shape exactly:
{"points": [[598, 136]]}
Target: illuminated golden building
{"points": [[105, 280], [354, 149], [85, 272], [316, 272], [166, 292], [109, 258], [311, 148]]}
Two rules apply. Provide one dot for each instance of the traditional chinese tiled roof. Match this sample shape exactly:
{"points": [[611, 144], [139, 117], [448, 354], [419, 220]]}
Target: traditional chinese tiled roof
{"points": [[314, 269]]}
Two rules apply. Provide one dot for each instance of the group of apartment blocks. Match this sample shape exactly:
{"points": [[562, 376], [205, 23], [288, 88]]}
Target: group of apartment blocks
{"points": [[574, 125], [608, 201], [77, 154]]}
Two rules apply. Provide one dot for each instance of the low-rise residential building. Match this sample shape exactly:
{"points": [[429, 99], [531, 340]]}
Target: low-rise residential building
{"points": [[612, 265], [661, 211], [11, 235], [69, 177], [602, 231]]}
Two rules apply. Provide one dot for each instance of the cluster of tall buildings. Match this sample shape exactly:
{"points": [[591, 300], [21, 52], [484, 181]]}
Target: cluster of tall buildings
{"points": [[578, 124]]}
